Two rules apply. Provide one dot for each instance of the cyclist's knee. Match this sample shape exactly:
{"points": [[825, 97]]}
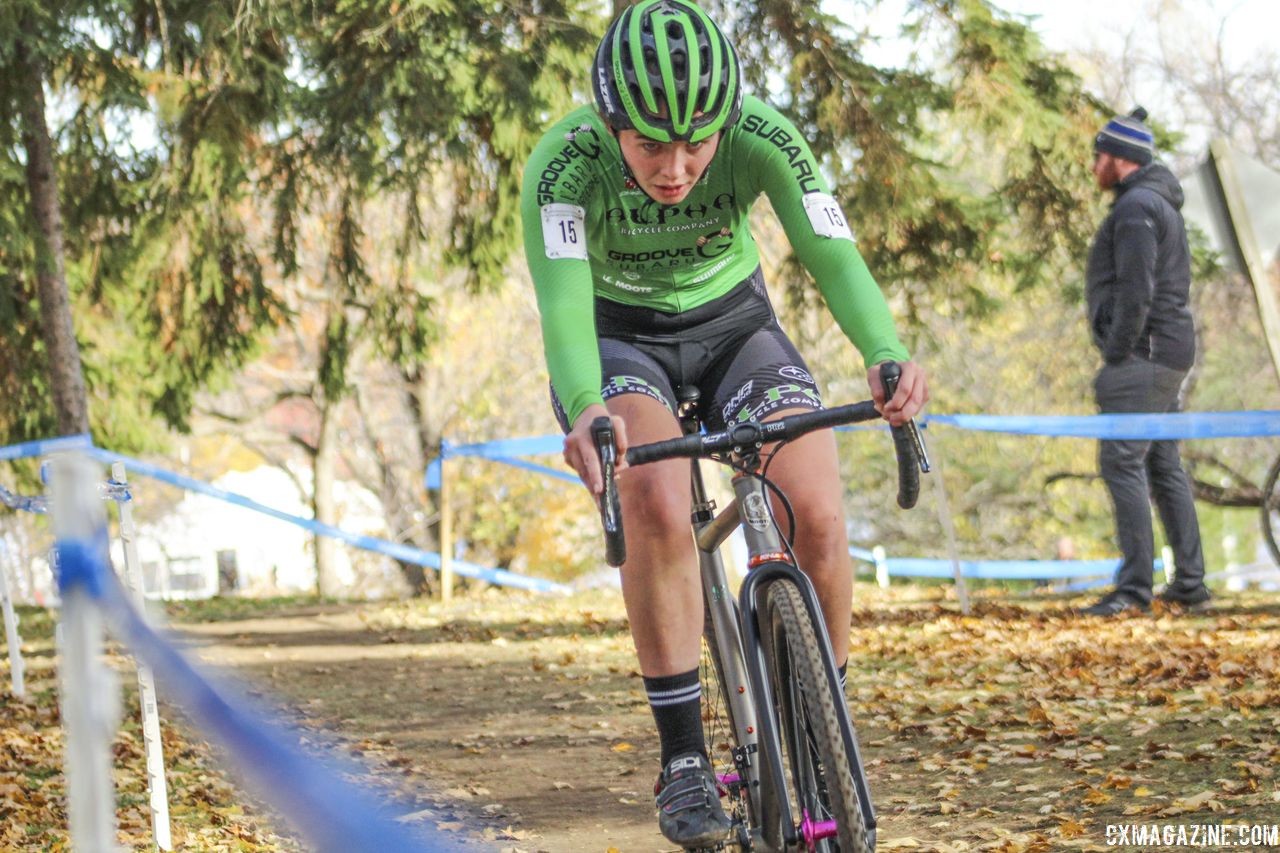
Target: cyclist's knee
{"points": [[654, 504], [820, 532]]}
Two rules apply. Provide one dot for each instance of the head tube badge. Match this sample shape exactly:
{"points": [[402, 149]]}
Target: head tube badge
{"points": [[756, 512]]}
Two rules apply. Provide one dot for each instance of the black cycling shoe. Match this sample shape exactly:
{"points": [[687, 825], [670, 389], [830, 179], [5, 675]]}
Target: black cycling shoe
{"points": [[1194, 599], [689, 812], [1115, 604]]}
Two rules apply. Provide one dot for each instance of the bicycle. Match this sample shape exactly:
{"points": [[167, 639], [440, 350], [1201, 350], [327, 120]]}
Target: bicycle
{"points": [[779, 732]]}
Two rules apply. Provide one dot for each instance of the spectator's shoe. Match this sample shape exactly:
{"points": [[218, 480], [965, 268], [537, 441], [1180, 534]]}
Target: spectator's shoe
{"points": [[1115, 604], [689, 812], [1193, 600]]}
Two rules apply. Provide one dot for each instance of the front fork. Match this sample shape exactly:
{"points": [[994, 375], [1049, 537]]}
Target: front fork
{"points": [[737, 627]]}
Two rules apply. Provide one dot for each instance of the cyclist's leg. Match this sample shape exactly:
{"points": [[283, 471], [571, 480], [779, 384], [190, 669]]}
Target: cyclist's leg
{"points": [[765, 379], [663, 595], [660, 582], [808, 473]]}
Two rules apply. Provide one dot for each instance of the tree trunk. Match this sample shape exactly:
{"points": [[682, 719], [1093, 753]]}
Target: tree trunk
{"points": [[420, 386], [323, 501], [401, 502], [65, 377]]}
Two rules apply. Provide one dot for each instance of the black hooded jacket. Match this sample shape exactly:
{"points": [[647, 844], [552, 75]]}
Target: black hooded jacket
{"points": [[1139, 274]]}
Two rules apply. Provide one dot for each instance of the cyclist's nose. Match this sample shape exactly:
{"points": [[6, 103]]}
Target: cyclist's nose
{"points": [[675, 165]]}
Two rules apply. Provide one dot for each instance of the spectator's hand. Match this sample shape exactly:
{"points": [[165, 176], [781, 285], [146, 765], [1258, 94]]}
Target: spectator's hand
{"points": [[580, 449], [912, 394]]}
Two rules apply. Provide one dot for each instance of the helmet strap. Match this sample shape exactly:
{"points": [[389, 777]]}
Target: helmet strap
{"points": [[628, 177]]}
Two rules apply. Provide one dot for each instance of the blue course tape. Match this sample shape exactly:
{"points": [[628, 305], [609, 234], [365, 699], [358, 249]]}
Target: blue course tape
{"points": [[395, 550], [435, 471], [336, 815], [540, 445], [44, 446], [1181, 425], [923, 567], [38, 505], [507, 451], [109, 491], [861, 554], [541, 469], [80, 563]]}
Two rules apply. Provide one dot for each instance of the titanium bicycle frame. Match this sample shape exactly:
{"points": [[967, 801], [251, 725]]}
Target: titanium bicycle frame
{"points": [[735, 630]]}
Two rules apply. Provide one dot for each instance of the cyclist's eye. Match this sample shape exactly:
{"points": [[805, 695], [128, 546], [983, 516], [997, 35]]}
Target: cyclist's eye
{"points": [[651, 147]]}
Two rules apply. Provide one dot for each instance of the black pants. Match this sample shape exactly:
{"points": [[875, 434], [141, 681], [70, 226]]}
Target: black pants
{"points": [[1137, 471]]}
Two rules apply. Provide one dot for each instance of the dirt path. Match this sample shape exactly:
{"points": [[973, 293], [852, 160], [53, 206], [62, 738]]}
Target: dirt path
{"points": [[534, 733], [522, 721]]}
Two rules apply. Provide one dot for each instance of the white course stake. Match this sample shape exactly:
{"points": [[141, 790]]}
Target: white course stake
{"points": [[156, 784], [90, 691], [17, 667]]}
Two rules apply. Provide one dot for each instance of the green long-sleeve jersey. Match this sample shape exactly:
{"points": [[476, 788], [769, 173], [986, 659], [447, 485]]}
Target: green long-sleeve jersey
{"points": [[588, 235]]}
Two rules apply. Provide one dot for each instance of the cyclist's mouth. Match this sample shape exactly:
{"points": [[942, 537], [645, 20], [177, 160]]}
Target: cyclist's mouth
{"points": [[671, 192]]}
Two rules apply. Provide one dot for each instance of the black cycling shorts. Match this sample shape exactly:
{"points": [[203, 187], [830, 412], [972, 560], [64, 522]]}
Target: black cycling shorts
{"points": [[731, 349]]}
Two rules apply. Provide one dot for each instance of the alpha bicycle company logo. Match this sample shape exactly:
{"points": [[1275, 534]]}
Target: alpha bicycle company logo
{"points": [[650, 212]]}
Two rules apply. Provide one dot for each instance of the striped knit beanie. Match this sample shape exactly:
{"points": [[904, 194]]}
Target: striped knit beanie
{"points": [[1128, 138]]}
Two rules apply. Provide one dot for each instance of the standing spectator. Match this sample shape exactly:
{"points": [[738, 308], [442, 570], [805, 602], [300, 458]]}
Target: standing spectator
{"points": [[1138, 280]]}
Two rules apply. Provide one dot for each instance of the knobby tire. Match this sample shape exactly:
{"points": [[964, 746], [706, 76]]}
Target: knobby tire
{"points": [[820, 779]]}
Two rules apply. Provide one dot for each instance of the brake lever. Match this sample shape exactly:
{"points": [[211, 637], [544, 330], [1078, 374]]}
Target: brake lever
{"points": [[889, 378], [922, 454]]}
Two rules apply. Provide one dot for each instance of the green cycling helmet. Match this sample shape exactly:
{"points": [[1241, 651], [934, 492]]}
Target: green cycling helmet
{"points": [[665, 70]]}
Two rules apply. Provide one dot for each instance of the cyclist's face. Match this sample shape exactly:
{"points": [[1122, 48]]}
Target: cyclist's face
{"points": [[666, 171]]}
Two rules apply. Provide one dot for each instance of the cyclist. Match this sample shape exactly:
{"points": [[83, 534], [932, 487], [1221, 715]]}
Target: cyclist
{"points": [[647, 279]]}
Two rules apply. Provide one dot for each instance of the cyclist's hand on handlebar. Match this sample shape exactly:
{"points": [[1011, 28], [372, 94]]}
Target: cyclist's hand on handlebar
{"points": [[580, 450], [912, 394]]}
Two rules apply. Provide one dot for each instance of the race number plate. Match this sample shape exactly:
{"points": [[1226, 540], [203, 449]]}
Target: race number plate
{"points": [[826, 217], [564, 231]]}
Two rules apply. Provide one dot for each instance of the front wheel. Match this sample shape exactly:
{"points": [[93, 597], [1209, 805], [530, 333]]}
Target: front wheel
{"points": [[823, 794]]}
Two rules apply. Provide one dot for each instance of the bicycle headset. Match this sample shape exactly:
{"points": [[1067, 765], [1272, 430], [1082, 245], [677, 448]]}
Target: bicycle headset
{"points": [[666, 70]]}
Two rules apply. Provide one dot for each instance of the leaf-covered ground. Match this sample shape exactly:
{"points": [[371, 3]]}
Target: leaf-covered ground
{"points": [[206, 811], [519, 723]]}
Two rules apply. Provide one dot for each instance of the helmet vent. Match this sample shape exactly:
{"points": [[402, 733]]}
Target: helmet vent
{"points": [[659, 65], [651, 61]]}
